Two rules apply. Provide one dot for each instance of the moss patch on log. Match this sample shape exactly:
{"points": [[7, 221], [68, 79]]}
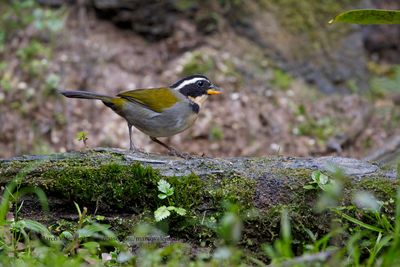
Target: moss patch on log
{"points": [[106, 179]]}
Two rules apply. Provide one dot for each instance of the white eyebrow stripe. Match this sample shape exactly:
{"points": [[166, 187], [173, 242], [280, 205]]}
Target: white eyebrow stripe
{"points": [[193, 80]]}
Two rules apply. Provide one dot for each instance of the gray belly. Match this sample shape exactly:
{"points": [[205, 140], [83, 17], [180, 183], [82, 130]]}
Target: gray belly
{"points": [[170, 122]]}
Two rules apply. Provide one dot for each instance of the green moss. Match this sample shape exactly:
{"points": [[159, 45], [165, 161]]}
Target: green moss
{"points": [[304, 15], [188, 191], [310, 20], [114, 184], [382, 188], [281, 79], [198, 62], [236, 189]]}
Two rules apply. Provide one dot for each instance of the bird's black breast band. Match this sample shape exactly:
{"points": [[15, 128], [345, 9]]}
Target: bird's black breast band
{"points": [[195, 107]]}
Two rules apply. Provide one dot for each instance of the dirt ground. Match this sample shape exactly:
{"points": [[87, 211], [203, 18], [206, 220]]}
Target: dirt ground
{"points": [[266, 113]]}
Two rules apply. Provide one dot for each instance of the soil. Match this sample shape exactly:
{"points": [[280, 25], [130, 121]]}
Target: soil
{"points": [[255, 116]]}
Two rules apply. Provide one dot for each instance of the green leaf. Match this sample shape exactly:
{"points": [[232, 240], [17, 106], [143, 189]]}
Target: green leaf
{"points": [[82, 136], [323, 179], [170, 192], [315, 176], [162, 196], [100, 218], [66, 235], [180, 211], [368, 16], [309, 187], [360, 223], [95, 230], [91, 245], [161, 213], [33, 226], [165, 187]]}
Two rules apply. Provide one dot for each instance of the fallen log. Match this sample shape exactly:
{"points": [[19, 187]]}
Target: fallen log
{"points": [[122, 186]]}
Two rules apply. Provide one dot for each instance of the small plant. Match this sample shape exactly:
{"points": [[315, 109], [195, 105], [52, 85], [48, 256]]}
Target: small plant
{"points": [[281, 80], [321, 181], [88, 234], [318, 128], [82, 137], [198, 63], [281, 249], [164, 212], [216, 133]]}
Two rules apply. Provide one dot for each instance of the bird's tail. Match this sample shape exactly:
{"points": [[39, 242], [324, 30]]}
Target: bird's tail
{"points": [[85, 95]]}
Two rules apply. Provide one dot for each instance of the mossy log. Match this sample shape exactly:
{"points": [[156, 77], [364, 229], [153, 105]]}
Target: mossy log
{"points": [[123, 187]]}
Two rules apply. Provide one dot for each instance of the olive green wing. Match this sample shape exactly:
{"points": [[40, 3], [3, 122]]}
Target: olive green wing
{"points": [[156, 99]]}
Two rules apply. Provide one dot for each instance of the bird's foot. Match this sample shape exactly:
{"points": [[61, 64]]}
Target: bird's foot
{"points": [[134, 150]]}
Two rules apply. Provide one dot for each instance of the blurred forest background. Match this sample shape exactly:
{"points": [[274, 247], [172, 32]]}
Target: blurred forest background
{"points": [[293, 85]]}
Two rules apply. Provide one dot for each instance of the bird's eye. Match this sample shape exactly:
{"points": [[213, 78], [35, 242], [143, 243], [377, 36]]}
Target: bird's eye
{"points": [[200, 83]]}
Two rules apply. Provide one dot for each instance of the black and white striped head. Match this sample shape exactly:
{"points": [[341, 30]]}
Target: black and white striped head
{"points": [[195, 86]]}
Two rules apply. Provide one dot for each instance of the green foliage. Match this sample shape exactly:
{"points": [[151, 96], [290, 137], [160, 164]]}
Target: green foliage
{"points": [[82, 136], [282, 248], [321, 181], [28, 32], [368, 16], [198, 62], [216, 133], [389, 83], [165, 188], [321, 128], [368, 230], [164, 212], [111, 182], [281, 80], [230, 228], [236, 190], [52, 83]]}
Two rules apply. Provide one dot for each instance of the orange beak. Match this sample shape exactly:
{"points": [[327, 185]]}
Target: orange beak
{"points": [[213, 90]]}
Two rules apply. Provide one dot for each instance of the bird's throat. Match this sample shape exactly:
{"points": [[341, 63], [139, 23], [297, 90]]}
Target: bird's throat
{"points": [[199, 100]]}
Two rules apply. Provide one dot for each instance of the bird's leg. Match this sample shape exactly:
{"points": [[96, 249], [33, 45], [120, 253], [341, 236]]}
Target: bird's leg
{"points": [[131, 145], [171, 149]]}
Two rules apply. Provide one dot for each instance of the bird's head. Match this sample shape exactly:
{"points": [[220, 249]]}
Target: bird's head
{"points": [[196, 88]]}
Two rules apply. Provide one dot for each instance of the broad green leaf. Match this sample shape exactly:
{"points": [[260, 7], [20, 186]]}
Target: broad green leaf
{"points": [[162, 196], [368, 16], [95, 230], [180, 211], [323, 179], [165, 187], [100, 218], [161, 213], [315, 176], [67, 235], [35, 227], [91, 245], [170, 192]]}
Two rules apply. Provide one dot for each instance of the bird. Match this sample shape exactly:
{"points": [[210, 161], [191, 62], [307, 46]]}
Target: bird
{"points": [[158, 112]]}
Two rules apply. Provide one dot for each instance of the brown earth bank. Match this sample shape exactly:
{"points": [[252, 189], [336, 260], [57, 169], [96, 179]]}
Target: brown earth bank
{"points": [[270, 69]]}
